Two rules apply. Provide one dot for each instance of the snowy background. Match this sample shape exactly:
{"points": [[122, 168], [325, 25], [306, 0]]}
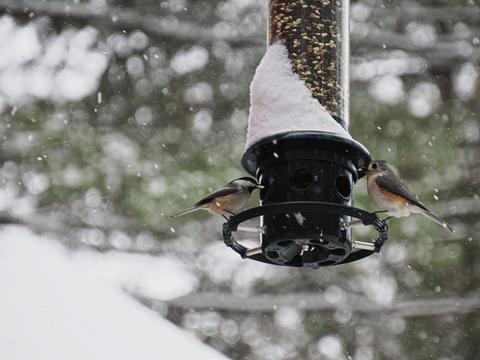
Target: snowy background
{"points": [[116, 114]]}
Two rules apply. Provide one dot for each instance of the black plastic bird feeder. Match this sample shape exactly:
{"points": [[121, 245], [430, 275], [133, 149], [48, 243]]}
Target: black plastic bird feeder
{"points": [[298, 145]]}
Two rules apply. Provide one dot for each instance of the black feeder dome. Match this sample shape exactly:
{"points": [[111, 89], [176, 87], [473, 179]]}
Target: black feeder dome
{"points": [[307, 200]]}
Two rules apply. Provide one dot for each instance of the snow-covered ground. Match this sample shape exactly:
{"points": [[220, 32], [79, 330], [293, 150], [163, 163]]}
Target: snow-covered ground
{"points": [[52, 308]]}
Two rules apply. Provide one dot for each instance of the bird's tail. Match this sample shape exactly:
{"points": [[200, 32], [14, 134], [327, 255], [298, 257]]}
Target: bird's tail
{"points": [[186, 211], [438, 220]]}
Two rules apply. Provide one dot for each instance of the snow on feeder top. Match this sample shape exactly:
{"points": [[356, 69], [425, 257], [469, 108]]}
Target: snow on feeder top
{"points": [[298, 144], [302, 81]]}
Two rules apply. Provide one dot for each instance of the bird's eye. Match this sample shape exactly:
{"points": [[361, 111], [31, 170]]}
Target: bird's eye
{"points": [[374, 166]]}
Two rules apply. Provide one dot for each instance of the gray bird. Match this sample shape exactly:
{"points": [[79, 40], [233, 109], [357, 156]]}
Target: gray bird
{"points": [[392, 196], [227, 200]]}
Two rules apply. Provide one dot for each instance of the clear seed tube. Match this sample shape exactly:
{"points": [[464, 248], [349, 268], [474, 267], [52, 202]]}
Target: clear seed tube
{"points": [[316, 35]]}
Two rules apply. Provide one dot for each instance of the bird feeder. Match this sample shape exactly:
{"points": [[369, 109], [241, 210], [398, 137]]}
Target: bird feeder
{"points": [[298, 145]]}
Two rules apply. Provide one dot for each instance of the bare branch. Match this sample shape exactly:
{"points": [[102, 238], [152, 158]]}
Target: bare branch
{"points": [[162, 27], [171, 27], [8, 219], [59, 224], [437, 53], [412, 11], [318, 302]]}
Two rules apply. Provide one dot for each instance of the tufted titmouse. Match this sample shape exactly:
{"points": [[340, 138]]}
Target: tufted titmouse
{"points": [[227, 200], [392, 196]]}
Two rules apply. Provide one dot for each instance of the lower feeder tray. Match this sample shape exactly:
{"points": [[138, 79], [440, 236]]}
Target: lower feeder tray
{"points": [[310, 247]]}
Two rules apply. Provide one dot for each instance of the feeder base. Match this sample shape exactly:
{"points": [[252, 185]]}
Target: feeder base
{"points": [[300, 255]]}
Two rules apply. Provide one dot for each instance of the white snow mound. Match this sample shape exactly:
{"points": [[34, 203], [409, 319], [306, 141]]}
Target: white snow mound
{"points": [[280, 102], [50, 310]]}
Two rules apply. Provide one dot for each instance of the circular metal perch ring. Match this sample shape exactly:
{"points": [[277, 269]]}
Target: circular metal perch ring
{"points": [[367, 218]]}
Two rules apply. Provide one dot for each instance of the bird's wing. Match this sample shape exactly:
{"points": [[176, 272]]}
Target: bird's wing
{"points": [[397, 187], [218, 193]]}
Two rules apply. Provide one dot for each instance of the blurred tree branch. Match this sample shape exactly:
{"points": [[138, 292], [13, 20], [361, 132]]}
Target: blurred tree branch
{"points": [[170, 27], [412, 11], [61, 224], [439, 52], [317, 302], [162, 27]]}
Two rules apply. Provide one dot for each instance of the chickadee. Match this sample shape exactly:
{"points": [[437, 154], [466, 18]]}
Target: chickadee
{"points": [[391, 195], [227, 200]]}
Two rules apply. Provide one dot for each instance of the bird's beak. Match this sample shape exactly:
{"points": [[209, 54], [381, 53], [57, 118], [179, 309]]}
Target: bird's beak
{"points": [[260, 186]]}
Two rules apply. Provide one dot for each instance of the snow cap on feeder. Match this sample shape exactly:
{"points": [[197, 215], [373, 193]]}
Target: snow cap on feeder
{"points": [[280, 102], [298, 144]]}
